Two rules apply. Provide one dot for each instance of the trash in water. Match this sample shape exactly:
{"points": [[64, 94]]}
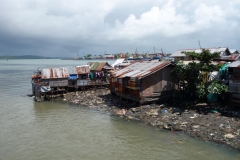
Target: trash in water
{"points": [[164, 111]]}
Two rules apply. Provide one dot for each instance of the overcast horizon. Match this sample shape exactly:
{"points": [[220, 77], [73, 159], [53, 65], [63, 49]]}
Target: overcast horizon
{"points": [[59, 28]]}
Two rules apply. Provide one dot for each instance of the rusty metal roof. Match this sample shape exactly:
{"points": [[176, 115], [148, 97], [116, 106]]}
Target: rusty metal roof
{"points": [[84, 69], [51, 73], [140, 69], [98, 66], [235, 64]]}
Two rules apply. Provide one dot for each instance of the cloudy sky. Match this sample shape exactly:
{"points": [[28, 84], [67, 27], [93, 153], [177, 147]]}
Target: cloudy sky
{"points": [[64, 27]]}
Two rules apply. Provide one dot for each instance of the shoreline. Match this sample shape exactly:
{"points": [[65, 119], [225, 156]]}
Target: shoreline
{"points": [[215, 123]]}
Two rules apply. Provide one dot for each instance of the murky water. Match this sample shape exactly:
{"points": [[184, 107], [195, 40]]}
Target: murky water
{"points": [[53, 130]]}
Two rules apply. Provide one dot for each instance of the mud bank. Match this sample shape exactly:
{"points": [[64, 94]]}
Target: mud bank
{"points": [[216, 123]]}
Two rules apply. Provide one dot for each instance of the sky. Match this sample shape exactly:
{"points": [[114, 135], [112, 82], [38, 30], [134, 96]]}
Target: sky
{"points": [[72, 28]]}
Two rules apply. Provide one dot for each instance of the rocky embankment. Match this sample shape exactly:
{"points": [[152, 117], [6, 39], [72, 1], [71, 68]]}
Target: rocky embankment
{"points": [[208, 122]]}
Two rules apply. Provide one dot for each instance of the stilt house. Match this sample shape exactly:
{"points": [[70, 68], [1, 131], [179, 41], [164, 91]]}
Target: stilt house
{"points": [[99, 71], [82, 72], [143, 82]]}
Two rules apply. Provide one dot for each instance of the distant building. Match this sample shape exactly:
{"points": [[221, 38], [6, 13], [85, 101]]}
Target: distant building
{"points": [[122, 55], [225, 54], [234, 51], [109, 56]]}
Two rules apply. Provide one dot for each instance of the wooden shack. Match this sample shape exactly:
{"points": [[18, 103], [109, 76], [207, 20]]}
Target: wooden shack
{"points": [[56, 81], [144, 81], [49, 80], [234, 82], [99, 72], [83, 73]]}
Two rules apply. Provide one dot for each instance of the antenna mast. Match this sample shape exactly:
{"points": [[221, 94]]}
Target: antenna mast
{"points": [[136, 51], [78, 54], [199, 44]]}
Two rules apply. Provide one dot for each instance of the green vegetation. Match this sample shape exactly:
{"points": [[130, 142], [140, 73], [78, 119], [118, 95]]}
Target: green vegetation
{"points": [[193, 78], [89, 55]]}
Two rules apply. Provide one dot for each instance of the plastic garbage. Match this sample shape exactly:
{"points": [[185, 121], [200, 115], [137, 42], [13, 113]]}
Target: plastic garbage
{"points": [[214, 111], [164, 112]]}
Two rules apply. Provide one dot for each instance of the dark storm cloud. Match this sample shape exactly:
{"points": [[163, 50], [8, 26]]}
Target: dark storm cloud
{"points": [[62, 28]]}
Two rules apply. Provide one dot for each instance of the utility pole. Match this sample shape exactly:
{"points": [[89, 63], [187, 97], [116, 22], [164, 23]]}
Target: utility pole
{"points": [[199, 44]]}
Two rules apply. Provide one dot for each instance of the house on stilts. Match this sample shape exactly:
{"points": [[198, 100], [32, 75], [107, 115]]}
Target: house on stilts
{"points": [[144, 82], [50, 82]]}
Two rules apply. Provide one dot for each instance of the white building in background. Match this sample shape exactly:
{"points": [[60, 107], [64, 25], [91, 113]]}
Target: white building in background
{"points": [[108, 56]]}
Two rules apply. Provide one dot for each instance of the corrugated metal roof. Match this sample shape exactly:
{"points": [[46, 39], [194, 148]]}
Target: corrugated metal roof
{"points": [[212, 50], [118, 61], [90, 63], [51, 73], [98, 66], [130, 74], [120, 72], [232, 51], [140, 69], [71, 70], [84, 69], [179, 53], [232, 57], [234, 64], [124, 64]]}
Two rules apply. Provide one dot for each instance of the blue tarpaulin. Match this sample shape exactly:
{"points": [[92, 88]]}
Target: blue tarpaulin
{"points": [[72, 77]]}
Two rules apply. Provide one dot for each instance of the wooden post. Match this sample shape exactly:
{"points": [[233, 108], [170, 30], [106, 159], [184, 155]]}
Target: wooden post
{"points": [[75, 90]]}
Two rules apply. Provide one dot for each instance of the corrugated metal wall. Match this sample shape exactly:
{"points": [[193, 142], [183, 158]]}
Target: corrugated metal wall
{"points": [[82, 82], [167, 80], [236, 73], [58, 83], [234, 87], [158, 82], [52, 73], [146, 86], [120, 87], [116, 84], [234, 81]]}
